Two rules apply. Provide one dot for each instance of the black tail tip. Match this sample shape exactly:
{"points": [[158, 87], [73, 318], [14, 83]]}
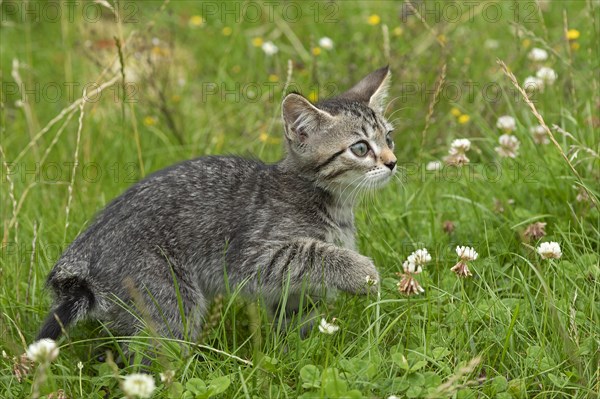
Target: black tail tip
{"points": [[64, 314]]}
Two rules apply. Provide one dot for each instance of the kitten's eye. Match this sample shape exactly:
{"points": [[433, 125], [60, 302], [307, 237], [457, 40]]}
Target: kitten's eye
{"points": [[389, 141], [360, 149]]}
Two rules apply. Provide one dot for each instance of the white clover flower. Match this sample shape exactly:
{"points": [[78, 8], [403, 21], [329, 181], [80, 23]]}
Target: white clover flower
{"points": [[458, 159], [409, 285], [547, 75], [370, 280], [433, 165], [269, 48], [457, 150], [420, 257], [326, 43], [506, 123], [138, 385], [509, 145], [43, 351], [539, 134], [167, 376], [549, 250], [466, 253], [410, 267], [533, 83], [538, 54], [328, 328], [459, 146]]}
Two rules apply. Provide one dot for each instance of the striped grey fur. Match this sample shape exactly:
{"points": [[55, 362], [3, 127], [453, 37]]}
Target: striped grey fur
{"points": [[217, 223]]}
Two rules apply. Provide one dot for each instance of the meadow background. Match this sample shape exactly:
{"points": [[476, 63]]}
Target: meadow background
{"points": [[182, 79]]}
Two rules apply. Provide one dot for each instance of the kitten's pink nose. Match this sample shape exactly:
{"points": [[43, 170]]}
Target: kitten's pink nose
{"points": [[391, 165]]}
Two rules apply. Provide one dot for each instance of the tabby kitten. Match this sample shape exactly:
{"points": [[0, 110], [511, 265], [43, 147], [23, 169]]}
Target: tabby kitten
{"points": [[200, 227]]}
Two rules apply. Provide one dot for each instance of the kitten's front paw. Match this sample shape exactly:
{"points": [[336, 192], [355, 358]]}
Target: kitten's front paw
{"points": [[362, 278]]}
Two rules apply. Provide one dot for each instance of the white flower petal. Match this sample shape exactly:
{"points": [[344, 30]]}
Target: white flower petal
{"points": [[538, 54], [326, 43], [459, 146], [547, 75], [533, 83], [418, 258], [433, 165], [269, 48], [43, 351], [550, 250], [509, 146], [328, 328], [466, 253], [138, 385], [507, 123]]}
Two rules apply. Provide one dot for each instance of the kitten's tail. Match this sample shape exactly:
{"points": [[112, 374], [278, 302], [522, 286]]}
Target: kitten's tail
{"points": [[75, 299]]}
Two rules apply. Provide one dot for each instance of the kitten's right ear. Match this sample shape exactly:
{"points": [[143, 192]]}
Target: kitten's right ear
{"points": [[301, 118]]}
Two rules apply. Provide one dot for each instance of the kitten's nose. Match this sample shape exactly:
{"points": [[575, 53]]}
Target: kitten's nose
{"points": [[391, 165]]}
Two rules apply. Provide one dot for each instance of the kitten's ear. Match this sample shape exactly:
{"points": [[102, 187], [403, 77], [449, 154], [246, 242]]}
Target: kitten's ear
{"points": [[373, 89], [301, 118]]}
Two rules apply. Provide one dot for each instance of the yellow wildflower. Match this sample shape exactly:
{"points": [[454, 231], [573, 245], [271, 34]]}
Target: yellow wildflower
{"points": [[196, 21], [456, 112], [226, 31], [374, 19], [150, 121], [257, 41], [273, 78], [316, 51], [159, 51], [463, 119], [526, 43], [442, 38], [575, 46], [313, 96], [263, 137], [573, 34], [397, 31]]}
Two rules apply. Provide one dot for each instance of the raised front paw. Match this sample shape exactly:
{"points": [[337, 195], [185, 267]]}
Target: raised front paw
{"points": [[361, 277]]}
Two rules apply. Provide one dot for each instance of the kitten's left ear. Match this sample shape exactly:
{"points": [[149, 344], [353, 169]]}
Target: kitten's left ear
{"points": [[373, 89]]}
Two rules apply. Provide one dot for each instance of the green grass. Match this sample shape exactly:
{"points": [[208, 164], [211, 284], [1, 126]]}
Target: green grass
{"points": [[532, 325]]}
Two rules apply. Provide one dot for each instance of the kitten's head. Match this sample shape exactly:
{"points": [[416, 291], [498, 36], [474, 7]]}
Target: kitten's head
{"points": [[344, 141]]}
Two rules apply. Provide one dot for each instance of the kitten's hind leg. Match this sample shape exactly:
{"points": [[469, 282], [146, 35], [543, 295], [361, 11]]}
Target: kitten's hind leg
{"points": [[163, 311], [296, 312]]}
